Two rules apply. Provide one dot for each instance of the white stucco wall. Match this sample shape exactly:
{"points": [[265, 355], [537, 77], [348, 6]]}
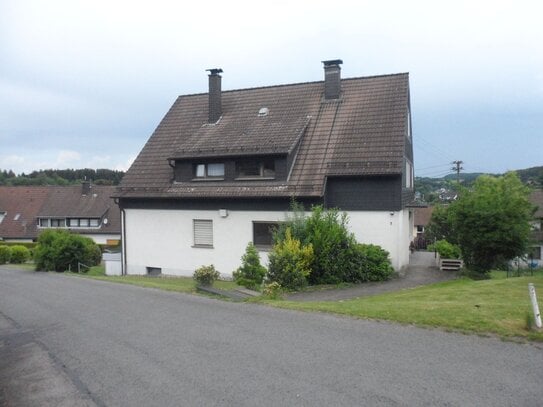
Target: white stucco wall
{"points": [[164, 238]]}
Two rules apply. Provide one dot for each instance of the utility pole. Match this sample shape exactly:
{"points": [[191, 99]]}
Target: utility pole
{"points": [[457, 167]]}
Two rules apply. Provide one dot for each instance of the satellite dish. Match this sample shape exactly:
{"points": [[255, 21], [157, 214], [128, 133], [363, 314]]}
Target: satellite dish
{"points": [[105, 221]]}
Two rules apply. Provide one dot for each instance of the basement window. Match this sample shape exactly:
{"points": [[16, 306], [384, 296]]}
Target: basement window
{"points": [[154, 271]]}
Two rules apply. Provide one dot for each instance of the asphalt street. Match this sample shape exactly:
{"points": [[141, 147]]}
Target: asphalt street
{"points": [[121, 345]]}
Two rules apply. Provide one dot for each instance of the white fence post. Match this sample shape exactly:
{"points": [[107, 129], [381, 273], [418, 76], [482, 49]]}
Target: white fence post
{"points": [[535, 306]]}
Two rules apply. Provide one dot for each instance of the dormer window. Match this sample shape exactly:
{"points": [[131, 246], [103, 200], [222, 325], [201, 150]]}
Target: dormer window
{"points": [[209, 171], [251, 169]]}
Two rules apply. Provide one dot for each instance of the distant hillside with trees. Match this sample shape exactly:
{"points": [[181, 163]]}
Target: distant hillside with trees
{"points": [[61, 177], [430, 189]]}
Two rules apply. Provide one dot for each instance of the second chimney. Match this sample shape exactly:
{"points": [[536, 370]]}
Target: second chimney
{"points": [[215, 107], [85, 187], [332, 78]]}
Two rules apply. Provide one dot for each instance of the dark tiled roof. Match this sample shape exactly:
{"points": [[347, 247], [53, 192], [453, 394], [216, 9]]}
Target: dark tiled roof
{"points": [[68, 201], [25, 201], [362, 133], [55, 201], [422, 216]]}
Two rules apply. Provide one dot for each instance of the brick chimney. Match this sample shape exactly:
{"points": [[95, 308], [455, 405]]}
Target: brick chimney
{"points": [[332, 78], [85, 187], [215, 106]]}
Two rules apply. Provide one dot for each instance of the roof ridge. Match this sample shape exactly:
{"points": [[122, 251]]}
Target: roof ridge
{"points": [[282, 85]]}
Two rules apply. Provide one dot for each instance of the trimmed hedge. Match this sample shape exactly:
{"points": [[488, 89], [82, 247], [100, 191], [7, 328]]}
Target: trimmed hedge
{"points": [[19, 254], [5, 254]]}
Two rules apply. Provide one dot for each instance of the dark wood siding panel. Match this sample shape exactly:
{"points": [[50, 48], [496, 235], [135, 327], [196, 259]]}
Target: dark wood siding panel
{"points": [[380, 193], [183, 171], [281, 170], [259, 204]]}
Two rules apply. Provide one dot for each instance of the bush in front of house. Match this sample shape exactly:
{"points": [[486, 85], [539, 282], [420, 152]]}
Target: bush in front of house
{"points": [[60, 250], [290, 262], [251, 273], [5, 254], [445, 249], [369, 262], [19, 254], [338, 257], [206, 275]]}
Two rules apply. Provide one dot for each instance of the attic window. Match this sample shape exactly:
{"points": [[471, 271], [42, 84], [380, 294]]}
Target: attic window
{"points": [[255, 169], [209, 171], [263, 112]]}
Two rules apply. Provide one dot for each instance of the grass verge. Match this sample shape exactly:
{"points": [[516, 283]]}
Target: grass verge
{"points": [[498, 306], [179, 284]]}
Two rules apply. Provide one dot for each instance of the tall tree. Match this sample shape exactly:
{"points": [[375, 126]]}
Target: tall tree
{"points": [[491, 221]]}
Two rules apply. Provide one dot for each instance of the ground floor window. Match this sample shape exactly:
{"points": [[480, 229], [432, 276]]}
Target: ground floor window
{"points": [[203, 232], [263, 233], [535, 253]]}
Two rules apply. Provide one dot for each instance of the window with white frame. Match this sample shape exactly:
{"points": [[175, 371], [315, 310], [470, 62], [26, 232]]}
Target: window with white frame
{"points": [[203, 232], [209, 171]]}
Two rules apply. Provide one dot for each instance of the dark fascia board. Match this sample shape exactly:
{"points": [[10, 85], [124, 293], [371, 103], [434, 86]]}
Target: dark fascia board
{"points": [[233, 154]]}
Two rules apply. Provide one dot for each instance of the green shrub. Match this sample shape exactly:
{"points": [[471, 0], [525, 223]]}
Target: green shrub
{"points": [[206, 275], [19, 254], [337, 255], [60, 250], [5, 254], [272, 291], [290, 262], [251, 273], [445, 249], [376, 264]]}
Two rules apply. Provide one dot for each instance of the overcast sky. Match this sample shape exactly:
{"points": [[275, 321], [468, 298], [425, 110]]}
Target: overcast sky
{"points": [[84, 83]]}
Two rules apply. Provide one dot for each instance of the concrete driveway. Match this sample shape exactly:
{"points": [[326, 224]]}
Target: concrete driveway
{"points": [[422, 270], [120, 345]]}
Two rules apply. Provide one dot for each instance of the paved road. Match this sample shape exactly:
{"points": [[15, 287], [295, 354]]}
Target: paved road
{"points": [[128, 346], [422, 270]]}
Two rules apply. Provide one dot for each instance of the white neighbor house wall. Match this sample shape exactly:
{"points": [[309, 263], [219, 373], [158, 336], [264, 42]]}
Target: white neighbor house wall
{"points": [[164, 238], [102, 238]]}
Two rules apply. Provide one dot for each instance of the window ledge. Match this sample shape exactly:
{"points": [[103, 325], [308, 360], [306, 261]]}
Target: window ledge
{"points": [[254, 178], [202, 246], [208, 179], [263, 248]]}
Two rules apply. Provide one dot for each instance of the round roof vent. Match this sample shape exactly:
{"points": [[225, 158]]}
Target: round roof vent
{"points": [[263, 111]]}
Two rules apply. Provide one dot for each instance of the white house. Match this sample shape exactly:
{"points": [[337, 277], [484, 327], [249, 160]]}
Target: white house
{"points": [[222, 168]]}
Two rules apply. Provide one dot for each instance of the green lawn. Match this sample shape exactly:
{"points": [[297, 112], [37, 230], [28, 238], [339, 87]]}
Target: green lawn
{"points": [[179, 284], [498, 306]]}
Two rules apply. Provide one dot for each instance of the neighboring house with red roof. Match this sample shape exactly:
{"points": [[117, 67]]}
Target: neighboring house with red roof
{"points": [[222, 167], [19, 208], [85, 209], [422, 216]]}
